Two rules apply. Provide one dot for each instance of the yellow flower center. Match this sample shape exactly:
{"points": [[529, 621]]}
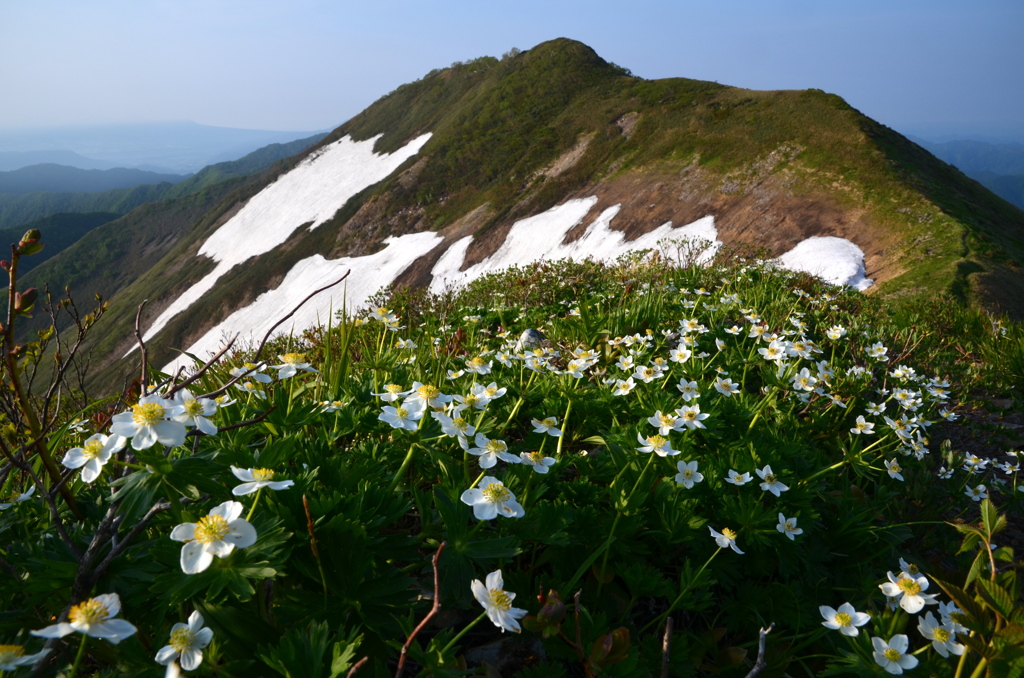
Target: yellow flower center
{"points": [[499, 599], [687, 474], [536, 457], [941, 634], [181, 639], [428, 392], [913, 569], [92, 448], [262, 474], [471, 400], [91, 611], [147, 414], [10, 652], [491, 391], [909, 586], [549, 422], [193, 407], [689, 415], [667, 420], [895, 468], [293, 358], [842, 618], [770, 479], [656, 441], [495, 446], [892, 655], [789, 526], [249, 366], [401, 412], [211, 528], [496, 493], [728, 534], [393, 388], [476, 363], [460, 423]]}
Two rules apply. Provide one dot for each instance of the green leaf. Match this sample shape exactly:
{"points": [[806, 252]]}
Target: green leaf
{"points": [[977, 618], [996, 597]]}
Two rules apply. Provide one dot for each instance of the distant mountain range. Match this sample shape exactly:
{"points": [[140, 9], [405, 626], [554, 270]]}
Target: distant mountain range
{"points": [[168, 147], [997, 166], [64, 179]]}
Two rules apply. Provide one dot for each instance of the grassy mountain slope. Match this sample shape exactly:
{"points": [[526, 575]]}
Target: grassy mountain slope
{"points": [[62, 231], [20, 209], [1010, 187], [515, 136]]}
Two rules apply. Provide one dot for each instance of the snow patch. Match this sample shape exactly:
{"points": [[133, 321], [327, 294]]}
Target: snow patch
{"points": [[541, 237], [836, 260], [311, 193], [369, 274]]}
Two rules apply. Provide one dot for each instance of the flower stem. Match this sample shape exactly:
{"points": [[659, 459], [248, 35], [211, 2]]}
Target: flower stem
{"points": [[252, 511], [682, 593], [78, 657], [463, 632], [403, 467], [565, 420]]}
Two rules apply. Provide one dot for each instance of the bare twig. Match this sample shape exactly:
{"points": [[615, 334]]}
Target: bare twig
{"points": [[235, 379], [144, 377], [240, 424], [119, 548], [202, 370], [666, 642], [293, 311], [358, 665], [759, 664], [58, 523], [430, 615]]}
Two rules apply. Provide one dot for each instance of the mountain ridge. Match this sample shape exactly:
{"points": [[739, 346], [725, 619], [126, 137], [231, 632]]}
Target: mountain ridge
{"points": [[515, 137]]}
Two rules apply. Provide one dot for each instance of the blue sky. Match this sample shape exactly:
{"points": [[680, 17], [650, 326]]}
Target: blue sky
{"points": [[927, 67]]}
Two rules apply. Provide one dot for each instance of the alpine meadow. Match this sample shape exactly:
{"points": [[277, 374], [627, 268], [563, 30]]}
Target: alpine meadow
{"points": [[532, 369]]}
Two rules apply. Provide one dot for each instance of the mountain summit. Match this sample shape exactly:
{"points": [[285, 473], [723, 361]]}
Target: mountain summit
{"points": [[555, 152]]}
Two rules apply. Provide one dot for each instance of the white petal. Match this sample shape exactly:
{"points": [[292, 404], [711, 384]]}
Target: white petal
{"points": [[242, 534], [229, 510], [112, 602], [166, 654], [144, 438], [494, 581], [55, 631], [194, 558], [184, 532], [170, 433], [245, 488], [244, 474], [191, 659], [91, 470], [114, 630], [202, 637]]}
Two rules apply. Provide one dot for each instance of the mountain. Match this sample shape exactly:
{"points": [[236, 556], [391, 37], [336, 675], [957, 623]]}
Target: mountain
{"points": [[1009, 187], [62, 231], [60, 178], [12, 160], [978, 156], [556, 152], [179, 147], [21, 209]]}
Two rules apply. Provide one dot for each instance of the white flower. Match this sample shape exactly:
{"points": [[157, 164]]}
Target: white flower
{"points": [[977, 493], [491, 499], [943, 637], [94, 453], [391, 393], [150, 422], [878, 352], [908, 590], [95, 618], [15, 498], [329, 406], [804, 381], [688, 474], [680, 354], [835, 332], [548, 425], [787, 526], [657, 444], [13, 656], [691, 416], [726, 387], [688, 389], [892, 656], [845, 620], [490, 392], [490, 451], [725, 539], [738, 478], [187, 642], [893, 469], [497, 602], [195, 411], [647, 374], [253, 372], [771, 482], [456, 427], [862, 426], [404, 416], [479, 366], [426, 394], [256, 478], [623, 387], [537, 461], [664, 422], [216, 534]]}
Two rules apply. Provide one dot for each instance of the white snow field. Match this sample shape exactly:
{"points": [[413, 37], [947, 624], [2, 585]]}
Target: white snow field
{"points": [[311, 193], [836, 260], [535, 238]]}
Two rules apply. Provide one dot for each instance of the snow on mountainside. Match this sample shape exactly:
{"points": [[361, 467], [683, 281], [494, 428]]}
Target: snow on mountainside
{"points": [[531, 239]]}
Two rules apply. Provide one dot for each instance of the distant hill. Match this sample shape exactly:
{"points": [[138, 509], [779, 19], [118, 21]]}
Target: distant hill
{"points": [[979, 156], [18, 209], [12, 160], [63, 179]]}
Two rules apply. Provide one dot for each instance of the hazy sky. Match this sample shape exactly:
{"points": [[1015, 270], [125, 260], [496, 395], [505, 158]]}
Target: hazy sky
{"points": [[920, 66]]}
